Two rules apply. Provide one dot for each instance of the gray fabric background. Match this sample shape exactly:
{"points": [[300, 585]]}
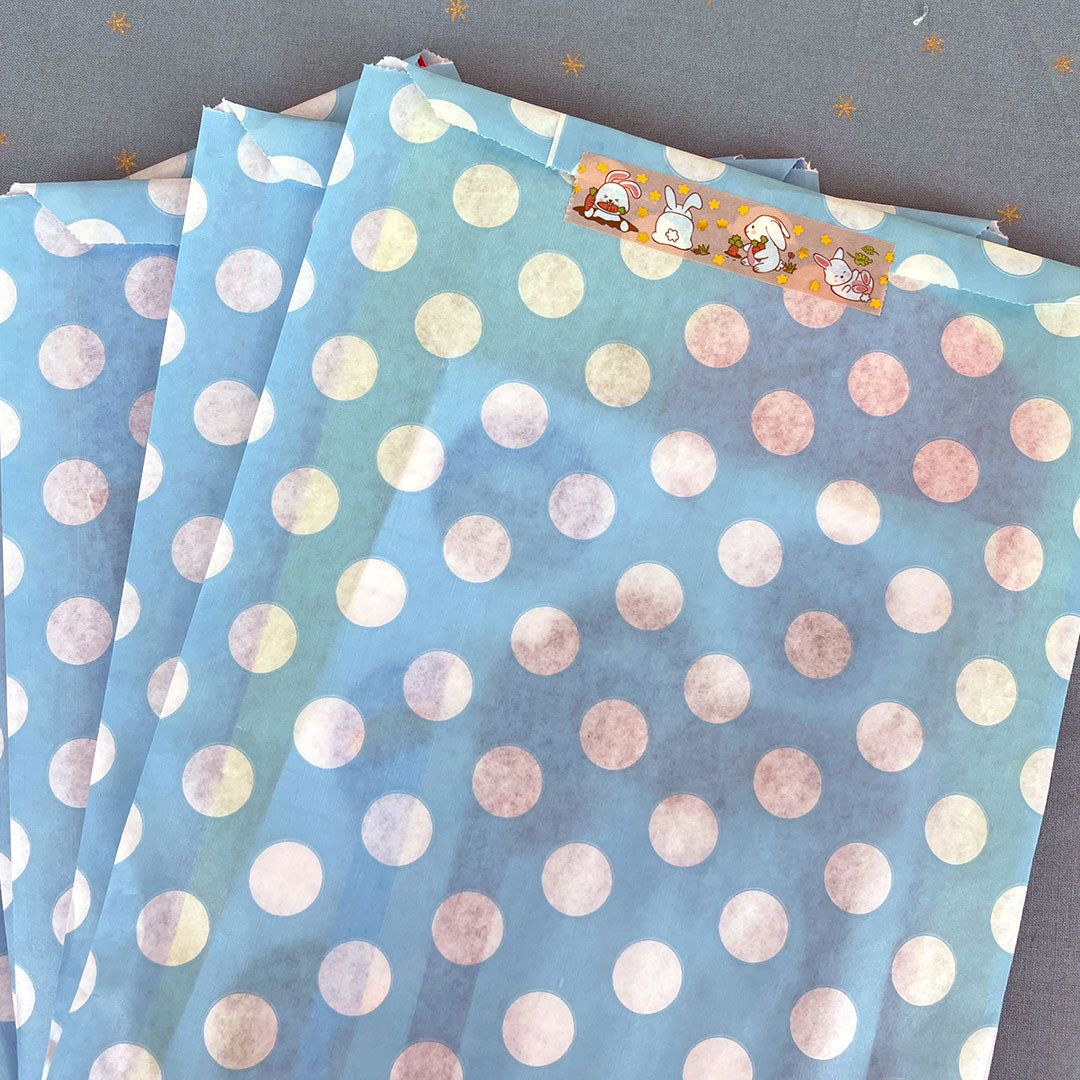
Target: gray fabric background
{"points": [[986, 122]]}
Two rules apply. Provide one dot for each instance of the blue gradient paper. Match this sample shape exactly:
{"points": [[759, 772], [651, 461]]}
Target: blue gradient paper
{"points": [[621, 668]]}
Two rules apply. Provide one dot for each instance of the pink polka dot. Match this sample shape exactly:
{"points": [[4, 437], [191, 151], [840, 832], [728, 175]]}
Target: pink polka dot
{"points": [[538, 1028], [683, 830], [396, 829], [717, 335], [783, 423], [438, 685], [858, 878], [576, 879], [122, 1061], [878, 384], [945, 470], [1014, 557], [649, 596], [139, 416], [476, 548], [823, 1023], [753, 926], [75, 492], [545, 640], [71, 356], [718, 1059], [148, 286], [817, 644], [354, 978], [683, 463], [467, 928], [787, 782], [240, 1030], [79, 630], [69, 772], [812, 311], [614, 734], [507, 781], [581, 506], [716, 688], [890, 736], [972, 346], [427, 1061], [750, 553], [1041, 429]]}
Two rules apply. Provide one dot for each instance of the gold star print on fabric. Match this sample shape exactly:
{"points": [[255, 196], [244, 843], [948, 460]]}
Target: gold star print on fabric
{"points": [[572, 65], [125, 161], [1063, 64], [933, 44], [844, 106], [118, 22], [456, 10], [1009, 214]]}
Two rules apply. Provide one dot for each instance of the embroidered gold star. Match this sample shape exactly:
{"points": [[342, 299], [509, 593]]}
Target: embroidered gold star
{"points": [[125, 161], [3, 139], [1063, 63], [456, 10], [844, 106], [1009, 213], [118, 22], [933, 44], [572, 65]]}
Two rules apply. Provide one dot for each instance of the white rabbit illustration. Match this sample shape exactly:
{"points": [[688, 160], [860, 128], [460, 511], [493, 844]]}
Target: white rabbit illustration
{"points": [[774, 234], [675, 226], [846, 281], [611, 201]]}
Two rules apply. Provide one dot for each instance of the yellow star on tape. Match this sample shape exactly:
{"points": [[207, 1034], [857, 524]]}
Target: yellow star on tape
{"points": [[718, 259]]}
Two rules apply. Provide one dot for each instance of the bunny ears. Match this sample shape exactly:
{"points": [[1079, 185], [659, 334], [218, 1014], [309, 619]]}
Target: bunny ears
{"points": [[693, 200], [622, 178]]}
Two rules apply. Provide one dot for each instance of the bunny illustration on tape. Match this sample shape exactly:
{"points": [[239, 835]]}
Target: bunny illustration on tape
{"points": [[675, 226], [768, 238], [846, 281], [610, 202]]}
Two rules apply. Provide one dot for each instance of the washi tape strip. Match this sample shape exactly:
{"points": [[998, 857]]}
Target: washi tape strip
{"points": [[713, 227]]}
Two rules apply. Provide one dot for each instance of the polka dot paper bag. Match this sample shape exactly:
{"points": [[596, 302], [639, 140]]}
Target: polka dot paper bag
{"points": [[624, 666]]}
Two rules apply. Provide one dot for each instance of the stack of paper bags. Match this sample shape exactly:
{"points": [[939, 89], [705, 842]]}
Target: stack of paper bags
{"points": [[478, 603]]}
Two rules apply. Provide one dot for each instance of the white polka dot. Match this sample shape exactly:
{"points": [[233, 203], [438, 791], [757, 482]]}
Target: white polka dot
{"points": [[343, 162], [750, 553], [716, 335], [815, 312], [693, 166], [448, 325], [69, 771], [1005, 917], [125, 1061], [576, 879], [648, 261], [853, 214], [344, 367], [248, 280], [918, 271], [683, 463], [514, 415], [649, 596], [647, 976], [1062, 319], [10, 428], [683, 830], [823, 1023], [536, 118], [507, 781], [87, 982], [1035, 778], [71, 356], [453, 114], [167, 687], [304, 501], [817, 644], [1041, 429], [285, 878], [55, 237], [614, 734], [1061, 641], [175, 336], [538, 1028], [890, 736], [977, 1053], [148, 286], [1010, 260], [427, 1061], [354, 978], [202, 547], [918, 600], [753, 926], [545, 640], [437, 685], [173, 928], [617, 374], [716, 688], [858, 878], [304, 287], [130, 837], [396, 829], [467, 928], [224, 412], [262, 638], [169, 195], [328, 732], [787, 782], [18, 705], [79, 630], [986, 691], [783, 423], [718, 1059], [8, 295], [240, 1030], [130, 608], [476, 548], [410, 457], [413, 118], [923, 970], [956, 829], [551, 284], [104, 753], [75, 492], [13, 565], [24, 996], [972, 346], [384, 239], [95, 231], [485, 196], [218, 780], [254, 162], [289, 167], [195, 211], [848, 512], [581, 506], [371, 592]]}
